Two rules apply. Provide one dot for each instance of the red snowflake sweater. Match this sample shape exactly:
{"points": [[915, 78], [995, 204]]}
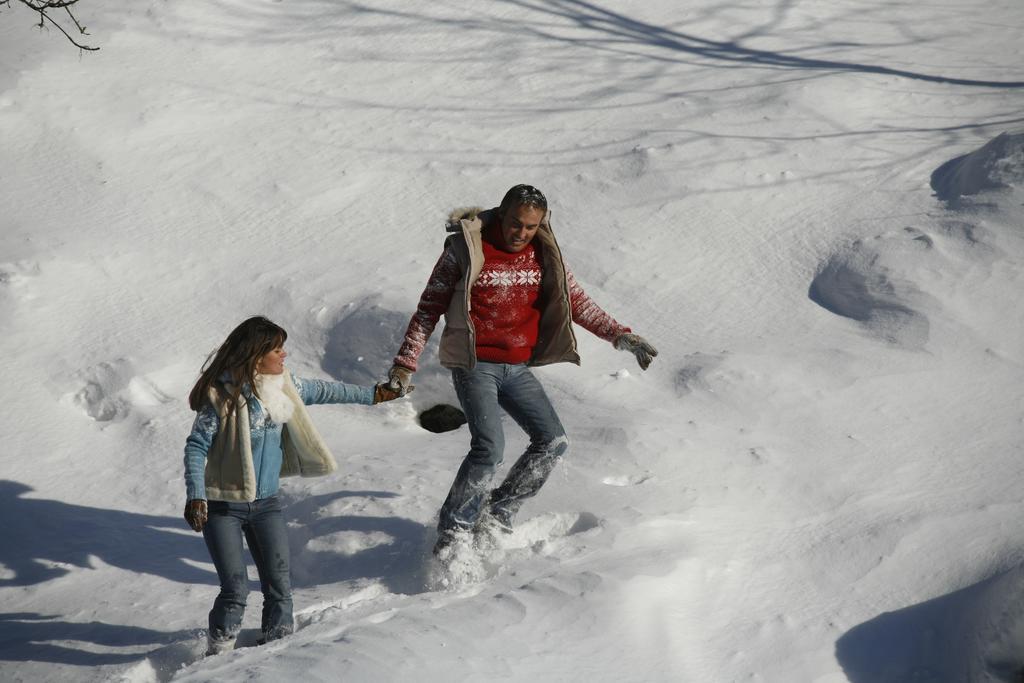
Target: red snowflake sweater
{"points": [[504, 307]]}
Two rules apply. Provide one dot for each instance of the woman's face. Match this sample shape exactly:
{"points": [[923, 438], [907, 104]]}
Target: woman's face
{"points": [[272, 363]]}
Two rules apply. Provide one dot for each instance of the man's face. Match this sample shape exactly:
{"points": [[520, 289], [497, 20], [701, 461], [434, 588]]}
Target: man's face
{"points": [[519, 225]]}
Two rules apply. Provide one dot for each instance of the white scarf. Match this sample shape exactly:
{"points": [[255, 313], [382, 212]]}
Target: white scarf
{"points": [[271, 395]]}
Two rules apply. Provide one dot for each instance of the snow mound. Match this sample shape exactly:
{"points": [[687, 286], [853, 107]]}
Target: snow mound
{"points": [[998, 164], [360, 345], [854, 283], [973, 634]]}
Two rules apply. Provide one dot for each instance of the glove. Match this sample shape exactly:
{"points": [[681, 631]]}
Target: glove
{"points": [[638, 346], [383, 392], [399, 378], [195, 513]]}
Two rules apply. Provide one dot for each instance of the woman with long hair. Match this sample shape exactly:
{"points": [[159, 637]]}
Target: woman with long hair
{"points": [[252, 428]]}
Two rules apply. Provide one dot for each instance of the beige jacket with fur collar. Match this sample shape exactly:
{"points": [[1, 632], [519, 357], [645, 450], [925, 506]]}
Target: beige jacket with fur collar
{"points": [[449, 288], [556, 342]]}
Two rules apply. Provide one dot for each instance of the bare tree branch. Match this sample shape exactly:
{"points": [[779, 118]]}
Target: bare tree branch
{"points": [[43, 6]]}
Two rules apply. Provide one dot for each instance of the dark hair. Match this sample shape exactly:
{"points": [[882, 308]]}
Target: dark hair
{"points": [[523, 195], [238, 357]]}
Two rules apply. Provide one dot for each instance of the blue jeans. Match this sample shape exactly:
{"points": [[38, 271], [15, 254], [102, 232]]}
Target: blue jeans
{"points": [[263, 526], [483, 392]]}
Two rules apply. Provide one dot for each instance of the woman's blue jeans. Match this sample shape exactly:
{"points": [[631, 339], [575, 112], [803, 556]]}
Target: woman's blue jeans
{"points": [[263, 525], [483, 392]]}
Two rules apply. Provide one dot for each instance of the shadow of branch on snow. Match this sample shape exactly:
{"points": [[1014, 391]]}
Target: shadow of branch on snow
{"points": [[579, 24], [602, 58], [614, 30]]}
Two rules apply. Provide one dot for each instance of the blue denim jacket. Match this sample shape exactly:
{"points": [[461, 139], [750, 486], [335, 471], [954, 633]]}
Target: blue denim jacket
{"points": [[264, 434]]}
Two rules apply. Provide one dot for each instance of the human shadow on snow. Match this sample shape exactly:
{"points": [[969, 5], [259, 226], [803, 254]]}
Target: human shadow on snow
{"points": [[33, 637], [387, 549], [44, 538]]}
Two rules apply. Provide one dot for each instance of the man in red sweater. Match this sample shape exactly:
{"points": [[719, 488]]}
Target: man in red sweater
{"points": [[509, 302]]}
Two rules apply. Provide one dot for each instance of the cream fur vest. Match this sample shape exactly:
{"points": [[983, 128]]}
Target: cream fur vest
{"points": [[230, 474]]}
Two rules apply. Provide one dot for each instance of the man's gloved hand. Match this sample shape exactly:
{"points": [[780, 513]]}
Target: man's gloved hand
{"points": [[638, 346], [399, 378], [195, 513], [383, 392]]}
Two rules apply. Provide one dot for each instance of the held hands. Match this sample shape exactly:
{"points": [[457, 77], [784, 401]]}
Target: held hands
{"points": [[195, 513], [397, 385], [383, 392], [399, 378], [638, 346]]}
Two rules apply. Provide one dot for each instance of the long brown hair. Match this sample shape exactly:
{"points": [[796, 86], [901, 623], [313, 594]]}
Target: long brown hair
{"points": [[238, 357]]}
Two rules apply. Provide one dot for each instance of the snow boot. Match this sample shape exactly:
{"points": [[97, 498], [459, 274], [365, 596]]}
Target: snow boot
{"points": [[217, 646]]}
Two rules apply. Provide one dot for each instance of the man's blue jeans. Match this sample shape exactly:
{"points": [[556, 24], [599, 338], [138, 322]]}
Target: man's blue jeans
{"points": [[483, 392], [263, 525]]}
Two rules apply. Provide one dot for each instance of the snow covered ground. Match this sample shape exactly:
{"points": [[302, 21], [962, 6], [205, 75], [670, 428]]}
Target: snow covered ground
{"points": [[818, 480]]}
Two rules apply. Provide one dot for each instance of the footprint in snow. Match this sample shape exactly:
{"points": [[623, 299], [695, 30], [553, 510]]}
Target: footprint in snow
{"points": [[625, 480], [489, 554], [109, 390]]}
